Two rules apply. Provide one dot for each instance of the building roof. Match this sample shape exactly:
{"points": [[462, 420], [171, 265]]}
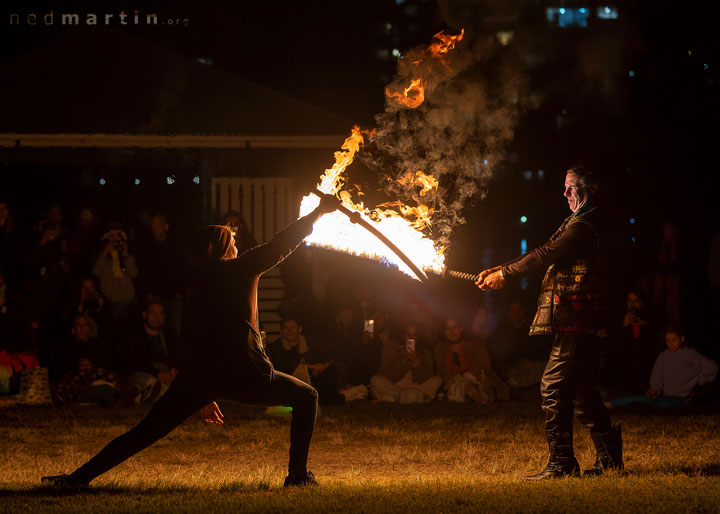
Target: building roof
{"points": [[104, 81]]}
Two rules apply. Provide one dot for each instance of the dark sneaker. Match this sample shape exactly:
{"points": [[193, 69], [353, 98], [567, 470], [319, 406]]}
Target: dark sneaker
{"points": [[62, 482], [300, 479]]}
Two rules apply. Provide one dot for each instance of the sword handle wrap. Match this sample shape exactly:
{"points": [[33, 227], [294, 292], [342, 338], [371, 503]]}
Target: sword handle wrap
{"points": [[462, 275]]}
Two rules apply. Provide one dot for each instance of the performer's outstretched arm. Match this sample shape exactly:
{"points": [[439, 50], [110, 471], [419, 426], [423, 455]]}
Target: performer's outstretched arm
{"points": [[266, 256]]}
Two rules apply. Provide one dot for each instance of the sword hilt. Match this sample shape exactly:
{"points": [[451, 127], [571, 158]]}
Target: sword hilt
{"points": [[461, 275]]}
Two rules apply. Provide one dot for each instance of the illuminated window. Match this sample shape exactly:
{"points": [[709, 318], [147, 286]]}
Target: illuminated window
{"points": [[607, 12], [567, 17]]}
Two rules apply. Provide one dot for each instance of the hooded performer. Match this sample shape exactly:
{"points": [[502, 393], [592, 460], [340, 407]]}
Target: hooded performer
{"points": [[226, 357]]}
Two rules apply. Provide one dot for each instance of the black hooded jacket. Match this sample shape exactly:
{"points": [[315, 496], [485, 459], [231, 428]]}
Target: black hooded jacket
{"points": [[221, 321]]}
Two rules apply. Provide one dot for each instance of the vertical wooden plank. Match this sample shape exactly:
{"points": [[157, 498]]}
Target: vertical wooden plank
{"points": [[271, 207], [246, 203], [257, 211]]}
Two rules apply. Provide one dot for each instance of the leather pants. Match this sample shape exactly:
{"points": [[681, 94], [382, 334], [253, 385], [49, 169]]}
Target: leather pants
{"points": [[569, 384]]}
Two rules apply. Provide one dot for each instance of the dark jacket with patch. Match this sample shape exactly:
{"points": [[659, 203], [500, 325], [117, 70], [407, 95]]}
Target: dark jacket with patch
{"points": [[573, 299]]}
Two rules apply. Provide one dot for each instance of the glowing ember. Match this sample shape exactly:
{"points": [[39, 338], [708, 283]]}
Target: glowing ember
{"points": [[412, 96]]}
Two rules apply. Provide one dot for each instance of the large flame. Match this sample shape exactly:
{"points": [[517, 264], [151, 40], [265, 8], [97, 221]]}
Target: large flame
{"points": [[402, 224], [405, 225]]}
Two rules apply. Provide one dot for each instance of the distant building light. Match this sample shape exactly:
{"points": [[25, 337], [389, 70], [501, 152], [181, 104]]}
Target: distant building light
{"points": [[631, 73], [486, 162], [388, 27], [399, 2], [505, 36], [689, 53], [196, 179], [567, 17], [205, 61], [633, 239], [607, 13], [632, 221], [170, 180], [383, 53], [706, 66], [137, 181], [527, 174], [396, 52], [540, 174], [524, 283], [102, 181], [523, 219], [523, 246]]}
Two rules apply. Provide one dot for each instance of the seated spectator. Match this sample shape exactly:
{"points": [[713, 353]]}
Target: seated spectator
{"points": [[287, 352], [358, 358], [677, 372], [115, 267], [406, 371], [80, 345], [88, 384], [465, 367], [153, 354], [92, 304]]}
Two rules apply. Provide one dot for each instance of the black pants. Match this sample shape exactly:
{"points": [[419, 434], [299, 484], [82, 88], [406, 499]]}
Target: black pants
{"points": [[180, 402], [569, 384]]}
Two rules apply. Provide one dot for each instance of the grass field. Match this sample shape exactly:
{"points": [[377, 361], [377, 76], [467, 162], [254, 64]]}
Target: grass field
{"points": [[368, 457]]}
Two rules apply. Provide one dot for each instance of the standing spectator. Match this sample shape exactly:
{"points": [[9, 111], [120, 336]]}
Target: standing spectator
{"points": [[465, 367], [153, 354], [666, 281], [115, 267], [83, 243], [9, 245], [163, 268], [406, 371]]}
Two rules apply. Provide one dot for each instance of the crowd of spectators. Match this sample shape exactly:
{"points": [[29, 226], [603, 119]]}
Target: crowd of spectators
{"points": [[101, 307]]}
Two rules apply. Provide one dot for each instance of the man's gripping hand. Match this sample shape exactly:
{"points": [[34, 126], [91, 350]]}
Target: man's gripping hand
{"points": [[491, 279]]}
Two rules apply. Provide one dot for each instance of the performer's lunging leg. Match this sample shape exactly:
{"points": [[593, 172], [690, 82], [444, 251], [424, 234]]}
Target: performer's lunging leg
{"points": [[286, 390], [171, 410]]}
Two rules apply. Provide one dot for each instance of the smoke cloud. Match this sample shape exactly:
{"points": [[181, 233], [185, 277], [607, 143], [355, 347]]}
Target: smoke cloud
{"points": [[458, 134]]}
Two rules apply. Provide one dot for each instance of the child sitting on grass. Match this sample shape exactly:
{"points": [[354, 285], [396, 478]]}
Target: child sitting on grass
{"points": [[676, 373]]}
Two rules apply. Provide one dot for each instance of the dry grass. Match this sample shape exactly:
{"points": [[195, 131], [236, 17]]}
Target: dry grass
{"points": [[368, 457]]}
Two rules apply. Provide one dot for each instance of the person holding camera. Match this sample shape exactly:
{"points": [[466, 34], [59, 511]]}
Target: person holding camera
{"points": [[116, 268], [406, 373]]}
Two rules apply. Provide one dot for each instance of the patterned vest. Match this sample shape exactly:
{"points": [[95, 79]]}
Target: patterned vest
{"points": [[573, 295]]}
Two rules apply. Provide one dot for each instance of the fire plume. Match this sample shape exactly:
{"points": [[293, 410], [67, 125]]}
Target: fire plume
{"points": [[444, 43], [412, 96], [402, 224]]}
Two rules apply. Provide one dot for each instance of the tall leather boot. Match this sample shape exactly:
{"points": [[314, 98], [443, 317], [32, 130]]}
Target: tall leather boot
{"points": [[562, 461], [609, 451]]}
